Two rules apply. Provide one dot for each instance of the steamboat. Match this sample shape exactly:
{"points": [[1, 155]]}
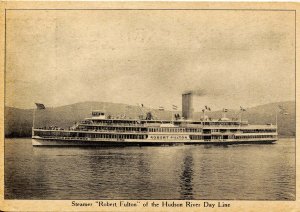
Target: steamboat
{"points": [[101, 130]]}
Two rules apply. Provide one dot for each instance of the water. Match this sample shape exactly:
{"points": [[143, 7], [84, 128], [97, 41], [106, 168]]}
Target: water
{"points": [[243, 172]]}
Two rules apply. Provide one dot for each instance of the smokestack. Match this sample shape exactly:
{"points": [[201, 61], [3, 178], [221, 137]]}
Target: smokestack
{"points": [[187, 105]]}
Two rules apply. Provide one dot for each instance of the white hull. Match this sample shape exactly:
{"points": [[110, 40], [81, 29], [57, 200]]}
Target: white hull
{"points": [[142, 142]]}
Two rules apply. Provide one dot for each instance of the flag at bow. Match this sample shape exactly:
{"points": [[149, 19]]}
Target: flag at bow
{"points": [[225, 110], [174, 107], [207, 108], [242, 109], [40, 106]]}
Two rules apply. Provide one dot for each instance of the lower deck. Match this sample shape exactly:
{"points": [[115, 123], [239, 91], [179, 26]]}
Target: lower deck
{"points": [[67, 141]]}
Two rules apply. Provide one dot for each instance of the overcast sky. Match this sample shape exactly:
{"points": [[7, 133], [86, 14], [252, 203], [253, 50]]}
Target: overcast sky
{"points": [[62, 57]]}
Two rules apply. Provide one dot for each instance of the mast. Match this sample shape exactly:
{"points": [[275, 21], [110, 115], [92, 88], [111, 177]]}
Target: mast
{"points": [[224, 113], [33, 122], [39, 106], [139, 106], [241, 114], [174, 109], [276, 117], [33, 118]]}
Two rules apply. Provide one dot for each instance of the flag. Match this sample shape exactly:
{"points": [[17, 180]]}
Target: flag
{"points": [[225, 110], [203, 110], [174, 107], [206, 107], [209, 108], [142, 105], [40, 106], [242, 109], [282, 110], [161, 108]]}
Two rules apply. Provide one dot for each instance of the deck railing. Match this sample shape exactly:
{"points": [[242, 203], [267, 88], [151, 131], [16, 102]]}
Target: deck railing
{"points": [[123, 139]]}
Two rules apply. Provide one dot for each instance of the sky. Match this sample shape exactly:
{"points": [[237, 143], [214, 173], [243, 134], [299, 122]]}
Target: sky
{"points": [[236, 57]]}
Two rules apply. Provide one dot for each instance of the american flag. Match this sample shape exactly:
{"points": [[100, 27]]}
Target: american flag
{"points": [[40, 106]]}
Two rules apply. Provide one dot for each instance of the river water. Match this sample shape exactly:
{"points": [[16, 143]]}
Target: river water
{"points": [[241, 172]]}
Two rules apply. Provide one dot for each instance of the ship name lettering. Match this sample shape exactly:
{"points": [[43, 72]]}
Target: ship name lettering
{"points": [[173, 137]]}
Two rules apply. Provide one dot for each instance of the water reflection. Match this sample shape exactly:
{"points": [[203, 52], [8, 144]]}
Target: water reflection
{"points": [[186, 177]]}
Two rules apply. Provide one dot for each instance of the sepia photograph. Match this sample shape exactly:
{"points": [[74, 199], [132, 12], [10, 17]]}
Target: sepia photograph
{"points": [[153, 103]]}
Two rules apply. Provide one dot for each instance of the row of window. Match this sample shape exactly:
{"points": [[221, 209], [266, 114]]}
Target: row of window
{"points": [[117, 136], [225, 137], [138, 129], [199, 137], [221, 123], [204, 137], [110, 123], [258, 130], [88, 135], [255, 136], [222, 130], [117, 129], [245, 130]]}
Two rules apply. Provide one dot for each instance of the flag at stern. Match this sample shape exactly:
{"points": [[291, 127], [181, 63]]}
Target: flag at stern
{"points": [[40, 106]]}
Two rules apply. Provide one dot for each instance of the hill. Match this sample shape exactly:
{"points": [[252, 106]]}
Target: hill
{"points": [[18, 122]]}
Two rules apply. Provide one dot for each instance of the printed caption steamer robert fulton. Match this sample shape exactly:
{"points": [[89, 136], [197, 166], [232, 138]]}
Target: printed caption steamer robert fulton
{"points": [[100, 130], [108, 204], [153, 204]]}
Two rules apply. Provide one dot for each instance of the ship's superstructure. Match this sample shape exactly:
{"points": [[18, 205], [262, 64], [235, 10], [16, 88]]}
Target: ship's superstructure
{"points": [[100, 130]]}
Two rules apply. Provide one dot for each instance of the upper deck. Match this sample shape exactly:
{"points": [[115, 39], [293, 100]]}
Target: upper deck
{"points": [[207, 124]]}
